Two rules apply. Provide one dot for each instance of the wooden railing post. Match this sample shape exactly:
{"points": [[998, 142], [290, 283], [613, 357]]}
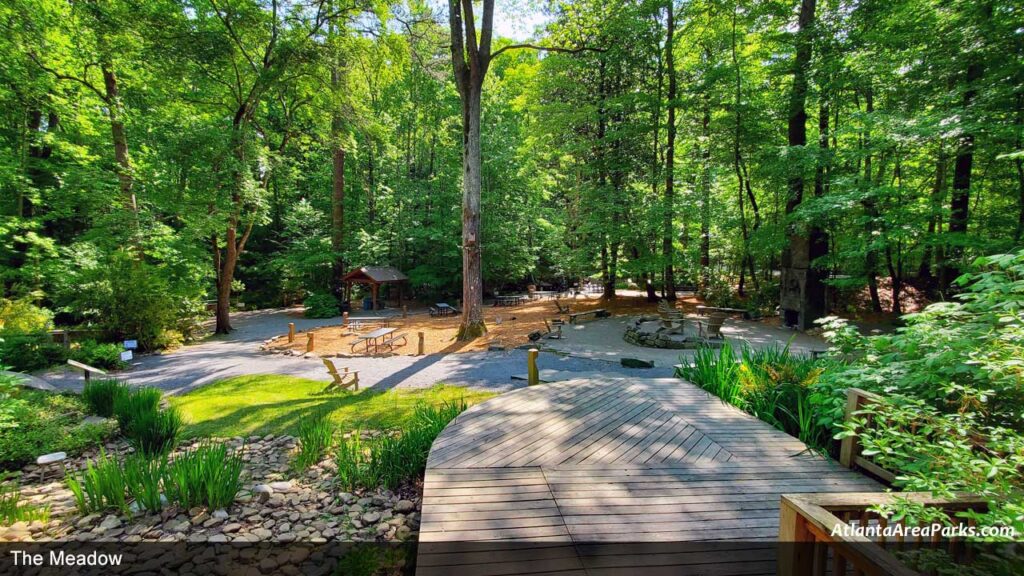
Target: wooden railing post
{"points": [[849, 447], [532, 374], [291, 332], [796, 551], [310, 342]]}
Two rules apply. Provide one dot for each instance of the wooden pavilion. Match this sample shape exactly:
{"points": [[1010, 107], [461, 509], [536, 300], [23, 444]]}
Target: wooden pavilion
{"points": [[375, 276]]}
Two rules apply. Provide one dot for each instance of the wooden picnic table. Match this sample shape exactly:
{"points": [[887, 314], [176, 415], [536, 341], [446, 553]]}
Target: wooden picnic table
{"points": [[444, 309], [359, 321], [514, 300], [372, 339]]}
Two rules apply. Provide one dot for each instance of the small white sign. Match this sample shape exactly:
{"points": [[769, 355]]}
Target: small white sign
{"points": [[131, 344], [126, 356]]}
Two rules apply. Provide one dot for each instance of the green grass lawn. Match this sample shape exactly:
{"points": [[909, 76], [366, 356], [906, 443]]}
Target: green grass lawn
{"points": [[272, 404]]}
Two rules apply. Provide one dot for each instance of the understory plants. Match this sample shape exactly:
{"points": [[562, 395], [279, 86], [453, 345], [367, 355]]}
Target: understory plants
{"points": [[12, 509], [101, 486], [321, 306], [99, 395], [770, 383], [316, 435], [47, 422], [392, 459], [205, 475]]}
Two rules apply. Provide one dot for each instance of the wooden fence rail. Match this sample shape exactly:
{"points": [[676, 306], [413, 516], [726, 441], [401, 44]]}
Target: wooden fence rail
{"points": [[812, 540]]}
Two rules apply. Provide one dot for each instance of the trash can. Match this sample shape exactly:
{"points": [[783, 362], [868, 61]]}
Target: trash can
{"points": [[368, 303]]}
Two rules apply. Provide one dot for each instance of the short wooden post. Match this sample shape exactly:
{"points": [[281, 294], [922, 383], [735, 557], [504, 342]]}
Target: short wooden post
{"points": [[532, 374], [796, 543], [310, 342], [405, 311], [420, 347], [344, 319], [849, 447], [291, 332]]}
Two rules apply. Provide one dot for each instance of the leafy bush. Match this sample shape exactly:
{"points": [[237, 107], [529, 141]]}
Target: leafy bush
{"points": [[391, 460], [321, 306], [10, 399], [23, 317], [154, 432], [951, 376], [101, 486], [769, 383], [100, 396], [12, 509], [106, 356], [140, 402], [207, 475], [143, 477], [28, 352], [47, 422], [316, 435]]}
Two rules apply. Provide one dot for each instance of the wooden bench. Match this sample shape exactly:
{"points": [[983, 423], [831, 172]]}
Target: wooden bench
{"points": [[87, 370], [342, 380], [390, 342], [707, 310], [598, 313]]}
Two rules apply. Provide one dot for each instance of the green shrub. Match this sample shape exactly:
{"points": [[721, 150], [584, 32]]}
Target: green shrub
{"points": [[321, 306], [105, 356], [10, 399], [316, 436], [23, 317], [206, 475], [391, 460], [101, 486], [47, 422], [30, 352], [154, 432], [135, 403], [12, 509], [100, 396], [143, 476]]}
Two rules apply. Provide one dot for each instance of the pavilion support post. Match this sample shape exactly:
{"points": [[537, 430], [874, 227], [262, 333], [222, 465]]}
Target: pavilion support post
{"points": [[373, 294]]}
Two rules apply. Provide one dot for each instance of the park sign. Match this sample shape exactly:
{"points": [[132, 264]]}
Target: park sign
{"points": [[131, 344], [126, 356]]}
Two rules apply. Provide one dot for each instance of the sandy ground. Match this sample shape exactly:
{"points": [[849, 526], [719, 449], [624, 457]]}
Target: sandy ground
{"points": [[507, 327]]}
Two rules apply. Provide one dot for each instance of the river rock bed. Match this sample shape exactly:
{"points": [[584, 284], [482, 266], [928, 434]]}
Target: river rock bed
{"points": [[275, 505]]}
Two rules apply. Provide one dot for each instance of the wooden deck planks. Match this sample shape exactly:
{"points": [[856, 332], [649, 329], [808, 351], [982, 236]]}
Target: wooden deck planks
{"points": [[574, 477]]}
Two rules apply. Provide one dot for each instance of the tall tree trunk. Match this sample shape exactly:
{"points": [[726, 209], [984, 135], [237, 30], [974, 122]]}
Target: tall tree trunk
{"points": [[667, 239], [737, 159], [937, 198], [125, 173], [870, 208], [960, 202], [233, 244], [705, 197], [337, 192], [803, 291], [1019, 164]]}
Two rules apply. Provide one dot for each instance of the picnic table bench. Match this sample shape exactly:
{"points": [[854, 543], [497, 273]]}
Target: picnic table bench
{"points": [[443, 309], [356, 322], [373, 339], [597, 313], [514, 300]]}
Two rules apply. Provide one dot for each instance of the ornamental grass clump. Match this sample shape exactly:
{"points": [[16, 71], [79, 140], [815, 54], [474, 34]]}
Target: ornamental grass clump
{"points": [[206, 475], [316, 436], [12, 509], [101, 486], [135, 403], [154, 432], [143, 480], [100, 395]]}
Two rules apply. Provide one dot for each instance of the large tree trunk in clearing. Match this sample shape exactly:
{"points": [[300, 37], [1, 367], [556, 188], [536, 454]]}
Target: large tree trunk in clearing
{"points": [[670, 150], [337, 197], [472, 265]]}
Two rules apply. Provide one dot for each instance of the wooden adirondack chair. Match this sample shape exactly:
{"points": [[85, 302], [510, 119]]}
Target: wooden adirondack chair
{"points": [[561, 309], [342, 380], [711, 327]]}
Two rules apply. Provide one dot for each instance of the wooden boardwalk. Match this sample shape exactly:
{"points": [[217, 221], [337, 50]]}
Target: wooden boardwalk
{"points": [[611, 476]]}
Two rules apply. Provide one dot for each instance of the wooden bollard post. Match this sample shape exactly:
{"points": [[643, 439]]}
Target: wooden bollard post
{"points": [[344, 319], [405, 310], [419, 349], [310, 342], [532, 374], [291, 332]]}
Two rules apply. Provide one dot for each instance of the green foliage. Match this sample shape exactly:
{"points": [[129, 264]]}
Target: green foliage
{"points": [[154, 432], [134, 404], [205, 475], [32, 352], [105, 356], [12, 509], [143, 478], [101, 486], [950, 376], [10, 400], [768, 382], [22, 317], [316, 436], [391, 460], [321, 306], [47, 422], [101, 395]]}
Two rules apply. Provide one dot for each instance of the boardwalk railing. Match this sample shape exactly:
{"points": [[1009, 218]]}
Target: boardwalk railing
{"points": [[817, 531], [850, 449]]}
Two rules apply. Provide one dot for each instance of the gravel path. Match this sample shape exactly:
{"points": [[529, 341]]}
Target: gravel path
{"points": [[237, 354]]}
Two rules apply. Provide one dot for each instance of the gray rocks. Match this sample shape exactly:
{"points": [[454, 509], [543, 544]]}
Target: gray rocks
{"points": [[404, 506], [262, 493]]}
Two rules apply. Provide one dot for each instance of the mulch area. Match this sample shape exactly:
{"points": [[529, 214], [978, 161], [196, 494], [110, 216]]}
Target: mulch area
{"points": [[507, 326]]}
